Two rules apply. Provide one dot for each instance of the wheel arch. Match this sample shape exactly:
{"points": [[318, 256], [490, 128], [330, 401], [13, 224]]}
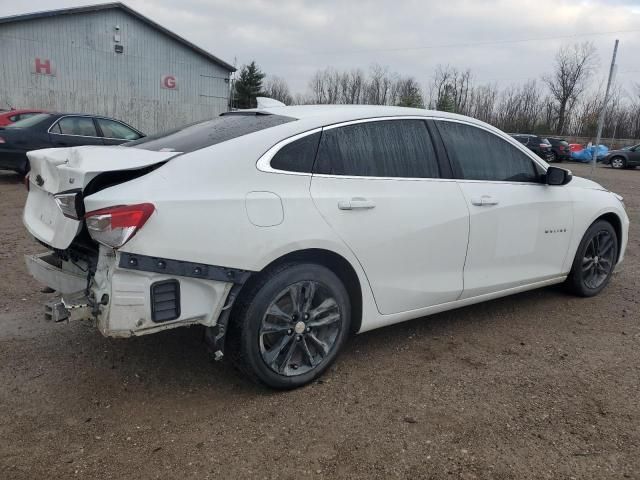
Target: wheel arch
{"points": [[334, 262], [616, 223]]}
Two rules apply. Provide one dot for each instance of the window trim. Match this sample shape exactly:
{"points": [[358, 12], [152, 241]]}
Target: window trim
{"points": [[70, 134], [264, 162], [505, 137], [99, 129], [95, 124]]}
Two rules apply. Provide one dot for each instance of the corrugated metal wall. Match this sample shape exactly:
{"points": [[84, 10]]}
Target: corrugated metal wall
{"points": [[90, 77]]}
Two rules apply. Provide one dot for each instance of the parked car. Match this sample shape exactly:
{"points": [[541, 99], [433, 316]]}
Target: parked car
{"points": [[302, 225], [560, 150], [576, 147], [539, 146], [624, 158], [11, 116], [45, 130]]}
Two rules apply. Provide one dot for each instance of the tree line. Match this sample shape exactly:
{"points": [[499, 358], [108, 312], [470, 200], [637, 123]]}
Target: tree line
{"points": [[563, 102]]}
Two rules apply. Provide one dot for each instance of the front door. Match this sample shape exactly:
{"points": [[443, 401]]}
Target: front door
{"points": [[377, 185], [520, 228]]}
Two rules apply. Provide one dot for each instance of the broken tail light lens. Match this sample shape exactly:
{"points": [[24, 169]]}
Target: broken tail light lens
{"points": [[115, 226], [68, 204]]}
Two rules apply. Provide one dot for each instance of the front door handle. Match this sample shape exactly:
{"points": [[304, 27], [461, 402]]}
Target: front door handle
{"points": [[356, 203], [484, 201]]}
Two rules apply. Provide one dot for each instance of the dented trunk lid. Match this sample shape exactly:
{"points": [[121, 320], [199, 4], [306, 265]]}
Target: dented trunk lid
{"points": [[57, 170]]}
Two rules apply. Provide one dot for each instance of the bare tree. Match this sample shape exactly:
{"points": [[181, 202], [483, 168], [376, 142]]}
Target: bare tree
{"points": [[451, 89], [574, 64], [278, 89]]}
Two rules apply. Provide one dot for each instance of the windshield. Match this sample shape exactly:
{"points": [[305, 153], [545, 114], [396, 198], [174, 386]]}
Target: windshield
{"points": [[205, 134], [30, 121]]}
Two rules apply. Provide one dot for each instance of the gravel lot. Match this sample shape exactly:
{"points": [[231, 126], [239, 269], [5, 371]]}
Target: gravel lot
{"points": [[538, 385]]}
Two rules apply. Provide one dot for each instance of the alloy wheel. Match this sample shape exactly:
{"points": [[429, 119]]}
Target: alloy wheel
{"points": [[598, 260], [617, 163], [299, 328]]}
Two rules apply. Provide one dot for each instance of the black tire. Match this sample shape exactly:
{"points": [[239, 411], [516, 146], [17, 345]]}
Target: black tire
{"points": [[553, 157], [618, 162], [249, 344], [587, 260]]}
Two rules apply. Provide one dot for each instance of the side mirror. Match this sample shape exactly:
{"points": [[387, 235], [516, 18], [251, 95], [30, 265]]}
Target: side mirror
{"points": [[557, 176]]}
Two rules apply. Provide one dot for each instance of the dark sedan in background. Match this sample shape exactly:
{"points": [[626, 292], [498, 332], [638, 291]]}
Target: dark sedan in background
{"points": [[560, 149], [539, 146], [628, 157], [51, 130]]}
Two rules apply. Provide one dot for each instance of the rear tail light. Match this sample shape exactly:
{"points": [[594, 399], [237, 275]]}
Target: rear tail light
{"points": [[115, 226], [70, 203], [544, 145]]}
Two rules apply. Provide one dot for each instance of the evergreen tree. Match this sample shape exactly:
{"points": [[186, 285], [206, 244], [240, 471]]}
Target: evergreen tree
{"points": [[248, 86], [445, 101]]}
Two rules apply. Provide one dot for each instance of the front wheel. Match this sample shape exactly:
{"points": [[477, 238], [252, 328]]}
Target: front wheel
{"points": [[594, 261], [290, 325]]}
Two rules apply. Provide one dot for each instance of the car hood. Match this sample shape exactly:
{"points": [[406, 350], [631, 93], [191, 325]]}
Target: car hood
{"points": [[581, 182]]}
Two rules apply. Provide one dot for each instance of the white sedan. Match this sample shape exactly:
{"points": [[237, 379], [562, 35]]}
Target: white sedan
{"points": [[285, 229]]}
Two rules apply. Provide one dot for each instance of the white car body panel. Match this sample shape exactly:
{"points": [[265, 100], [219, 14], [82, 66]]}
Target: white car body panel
{"points": [[521, 239], [410, 253], [415, 236]]}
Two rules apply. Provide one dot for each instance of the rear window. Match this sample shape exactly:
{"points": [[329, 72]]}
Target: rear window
{"points": [[211, 132], [30, 121]]}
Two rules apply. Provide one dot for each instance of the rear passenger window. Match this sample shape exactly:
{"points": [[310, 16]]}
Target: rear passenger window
{"points": [[297, 156], [477, 154], [388, 148], [80, 126]]}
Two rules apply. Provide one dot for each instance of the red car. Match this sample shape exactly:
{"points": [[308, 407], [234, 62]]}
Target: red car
{"points": [[11, 116]]}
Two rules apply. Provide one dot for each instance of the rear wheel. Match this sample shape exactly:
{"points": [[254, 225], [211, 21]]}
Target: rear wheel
{"points": [[618, 162], [594, 261], [290, 325], [553, 157]]}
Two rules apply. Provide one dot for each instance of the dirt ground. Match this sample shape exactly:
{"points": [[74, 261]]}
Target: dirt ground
{"points": [[538, 385]]}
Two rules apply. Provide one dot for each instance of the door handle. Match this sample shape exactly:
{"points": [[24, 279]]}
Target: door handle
{"points": [[356, 203], [484, 201]]}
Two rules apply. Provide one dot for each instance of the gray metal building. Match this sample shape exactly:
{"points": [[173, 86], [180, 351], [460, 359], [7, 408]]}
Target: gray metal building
{"points": [[110, 60]]}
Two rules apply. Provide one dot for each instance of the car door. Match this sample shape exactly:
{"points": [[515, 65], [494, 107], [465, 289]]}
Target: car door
{"points": [[634, 155], [115, 133], [74, 130], [378, 185], [520, 228]]}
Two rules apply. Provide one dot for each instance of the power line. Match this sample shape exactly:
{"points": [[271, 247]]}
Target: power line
{"points": [[476, 44]]}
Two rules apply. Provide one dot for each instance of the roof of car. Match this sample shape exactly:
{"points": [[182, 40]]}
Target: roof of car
{"points": [[327, 114]]}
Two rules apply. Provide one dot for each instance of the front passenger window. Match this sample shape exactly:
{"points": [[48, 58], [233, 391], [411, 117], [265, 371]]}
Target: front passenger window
{"points": [[477, 154]]}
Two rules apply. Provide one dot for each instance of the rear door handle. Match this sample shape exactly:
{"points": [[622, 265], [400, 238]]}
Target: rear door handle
{"points": [[484, 201], [356, 203]]}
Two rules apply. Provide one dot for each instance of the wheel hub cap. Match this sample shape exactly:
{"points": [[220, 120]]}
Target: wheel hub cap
{"points": [[299, 328]]}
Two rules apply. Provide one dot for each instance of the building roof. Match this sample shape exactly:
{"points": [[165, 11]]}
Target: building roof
{"points": [[129, 10]]}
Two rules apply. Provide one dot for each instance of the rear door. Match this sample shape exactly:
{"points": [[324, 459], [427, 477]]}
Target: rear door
{"points": [[114, 132], [378, 185], [74, 130], [520, 228]]}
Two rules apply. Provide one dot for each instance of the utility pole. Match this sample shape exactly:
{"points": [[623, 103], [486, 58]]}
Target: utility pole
{"points": [[604, 107]]}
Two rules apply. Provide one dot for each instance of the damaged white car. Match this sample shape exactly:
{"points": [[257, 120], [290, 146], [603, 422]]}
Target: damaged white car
{"points": [[283, 230]]}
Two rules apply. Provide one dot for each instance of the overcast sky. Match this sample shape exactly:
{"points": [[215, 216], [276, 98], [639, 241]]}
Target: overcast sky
{"points": [[294, 38]]}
